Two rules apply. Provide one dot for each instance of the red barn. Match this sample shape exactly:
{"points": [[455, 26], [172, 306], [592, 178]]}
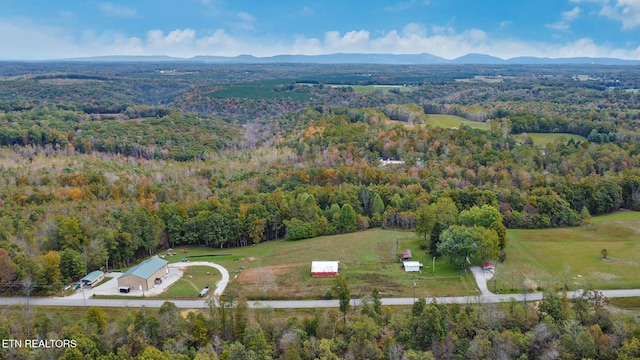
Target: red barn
{"points": [[324, 268], [406, 254]]}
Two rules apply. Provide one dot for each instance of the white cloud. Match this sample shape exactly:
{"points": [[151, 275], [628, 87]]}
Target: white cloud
{"points": [[567, 17], [560, 25], [572, 14], [309, 46], [25, 39], [246, 21], [113, 10], [245, 16], [353, 41], [414, 29], [625, 11], [156, 38]]}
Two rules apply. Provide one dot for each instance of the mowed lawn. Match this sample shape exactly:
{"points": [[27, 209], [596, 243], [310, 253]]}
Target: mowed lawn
{"points": [[195, 278], [369, 259], [549, 258]]}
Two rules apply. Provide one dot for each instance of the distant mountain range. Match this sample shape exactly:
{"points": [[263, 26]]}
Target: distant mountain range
{"points": [[346, 58]]}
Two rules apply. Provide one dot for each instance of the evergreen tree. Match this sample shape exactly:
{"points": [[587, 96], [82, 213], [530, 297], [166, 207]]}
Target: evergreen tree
{"points": [[348, 219]]}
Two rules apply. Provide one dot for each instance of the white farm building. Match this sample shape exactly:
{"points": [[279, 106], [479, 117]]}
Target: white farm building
{"points": [[410, 266], [324, 268]]}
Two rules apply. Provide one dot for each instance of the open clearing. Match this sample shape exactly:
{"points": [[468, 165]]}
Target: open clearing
{"points": [[282, 269], [551, 258], [535, 258], [549, 138], [451, 121]]}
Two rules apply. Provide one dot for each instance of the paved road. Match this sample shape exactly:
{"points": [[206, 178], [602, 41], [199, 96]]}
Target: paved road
{"points": [[292, 304], [484, 296]]}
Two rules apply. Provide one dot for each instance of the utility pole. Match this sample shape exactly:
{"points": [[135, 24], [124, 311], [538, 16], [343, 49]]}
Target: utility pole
{"points": [[414, 291], [84, 299]]}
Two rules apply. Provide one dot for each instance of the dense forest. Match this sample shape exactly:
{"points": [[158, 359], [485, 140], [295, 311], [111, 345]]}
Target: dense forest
{"points": [[109, 163]]}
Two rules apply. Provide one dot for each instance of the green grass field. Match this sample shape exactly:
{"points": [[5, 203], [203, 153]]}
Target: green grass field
{"points": [[551, 258], [537, 259], [450, 121], [282, 269], [547, 138], [194, 280]]}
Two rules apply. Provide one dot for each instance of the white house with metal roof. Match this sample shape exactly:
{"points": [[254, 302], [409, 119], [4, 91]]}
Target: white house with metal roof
{"points": [[145, 275]]}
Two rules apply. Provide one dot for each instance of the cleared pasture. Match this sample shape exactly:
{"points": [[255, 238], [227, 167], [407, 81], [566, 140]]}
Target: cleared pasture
{"points": [[451, 121], [549, 138], [572, 257], [369, 259]]}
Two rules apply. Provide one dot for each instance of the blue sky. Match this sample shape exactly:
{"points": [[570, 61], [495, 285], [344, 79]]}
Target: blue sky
{"points": [[45, 29]]}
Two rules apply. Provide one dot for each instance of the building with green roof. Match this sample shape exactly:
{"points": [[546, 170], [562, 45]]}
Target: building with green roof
{"points": [[145, 275], [92, 278]]}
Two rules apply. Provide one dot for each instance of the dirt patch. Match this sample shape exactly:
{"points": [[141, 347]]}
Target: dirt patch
{"points": [[249, 259], [270, 281], [264, 274]]}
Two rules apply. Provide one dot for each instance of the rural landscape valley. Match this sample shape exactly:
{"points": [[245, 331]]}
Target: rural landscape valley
{"points": [[235, 185]]}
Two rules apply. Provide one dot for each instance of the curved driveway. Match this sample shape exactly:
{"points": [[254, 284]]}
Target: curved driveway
{"points": [[220, 285]]}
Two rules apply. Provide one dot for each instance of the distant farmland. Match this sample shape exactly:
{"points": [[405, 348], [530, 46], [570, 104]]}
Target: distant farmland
{"points": [[451, 121], [548, 138]]}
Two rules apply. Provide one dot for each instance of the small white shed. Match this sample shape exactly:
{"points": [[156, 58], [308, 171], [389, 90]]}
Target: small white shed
{"points": [[411, 266]]}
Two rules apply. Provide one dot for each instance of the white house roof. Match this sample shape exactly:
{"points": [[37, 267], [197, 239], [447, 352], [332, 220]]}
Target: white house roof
{"points": [[411, 264], [324, 266]]}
